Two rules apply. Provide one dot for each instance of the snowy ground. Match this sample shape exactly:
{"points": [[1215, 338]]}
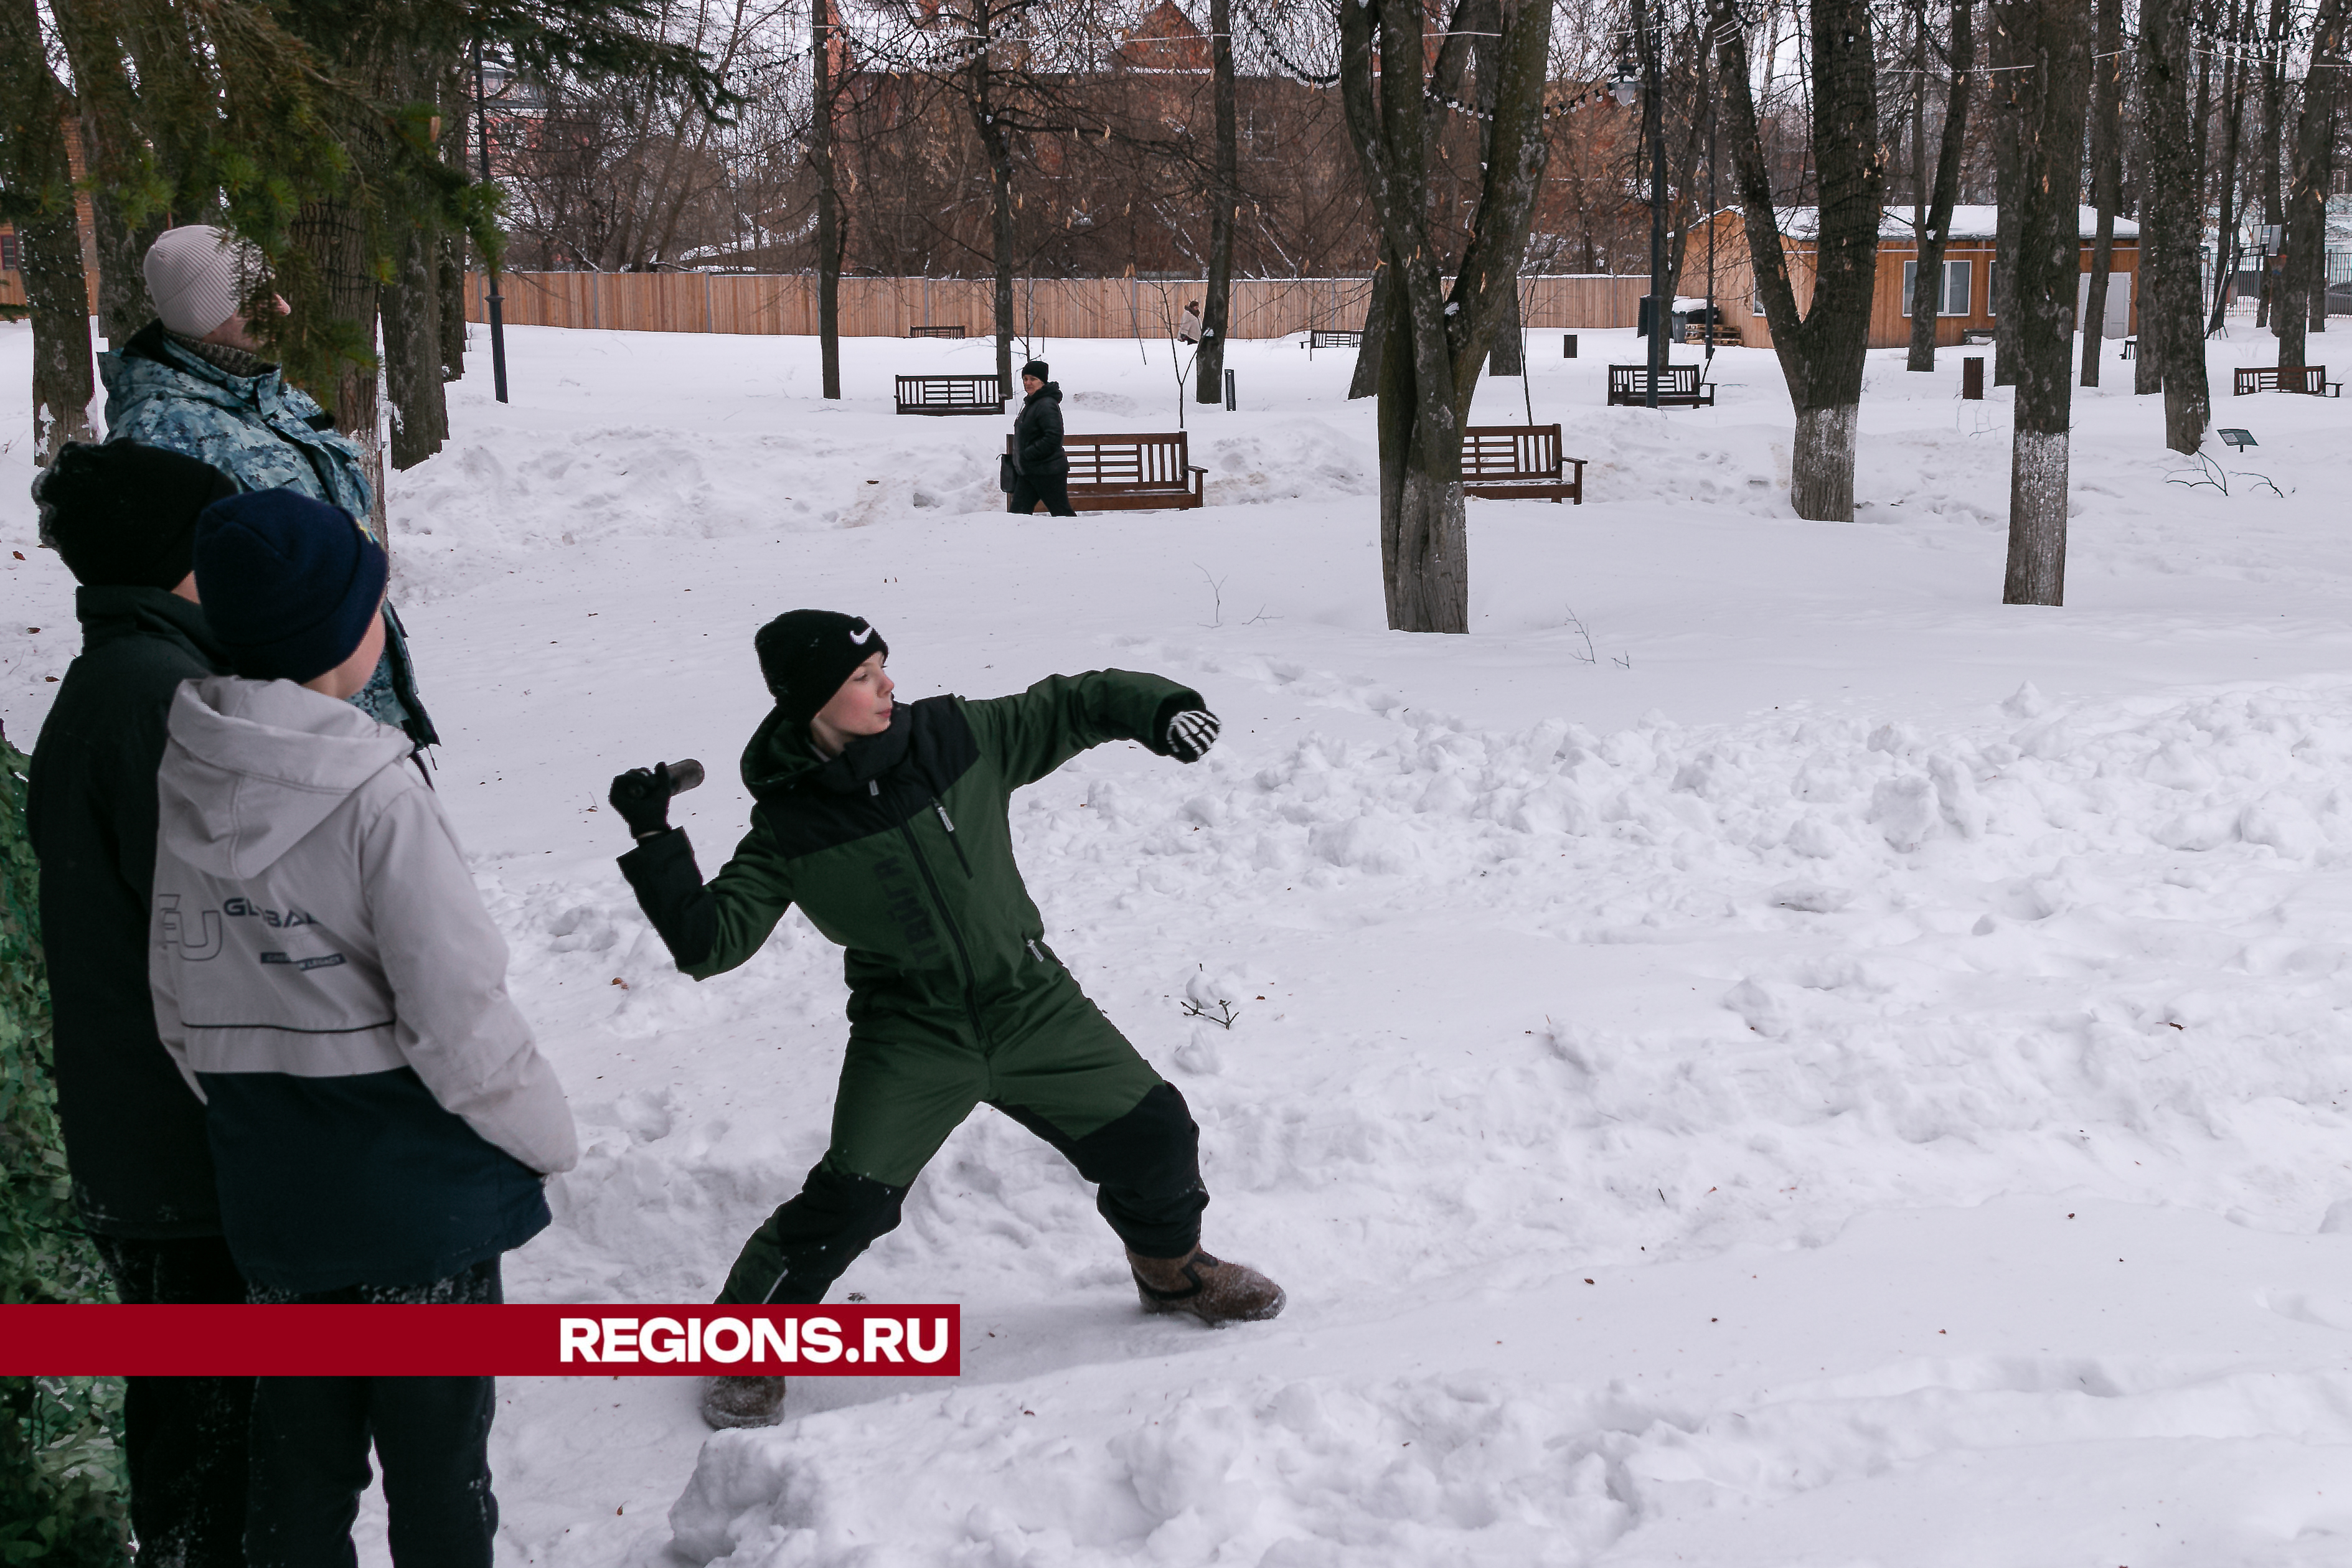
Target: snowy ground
{"points": [[1758, 1055]]}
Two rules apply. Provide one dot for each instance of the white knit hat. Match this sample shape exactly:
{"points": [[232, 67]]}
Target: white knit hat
{"points": [[196, 275]]}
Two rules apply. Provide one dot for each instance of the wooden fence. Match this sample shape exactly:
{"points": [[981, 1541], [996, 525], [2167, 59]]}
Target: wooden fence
{"points": [[1042, 306]]}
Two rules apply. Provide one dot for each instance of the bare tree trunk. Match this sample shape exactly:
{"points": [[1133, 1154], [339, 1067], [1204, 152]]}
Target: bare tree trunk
{"points": [[829, 239], [340, 294], [454, 94], [2147, 366], [1821, 354], [1377, 307], [980, 98], [2053, 36], [2273, 145], [1439, 337], [452, 281], [1928, 286], [1446, 82], [2172, 225], [2106, 175], [2225, 226], [1225, 198], [1507, 357], [124, 185], [37, 195], [1654, 145], [2002, 103], [2303, 280], [412, 352]]}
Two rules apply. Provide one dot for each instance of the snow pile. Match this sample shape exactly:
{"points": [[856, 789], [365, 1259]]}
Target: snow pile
{"points": [[1894, 1114]]}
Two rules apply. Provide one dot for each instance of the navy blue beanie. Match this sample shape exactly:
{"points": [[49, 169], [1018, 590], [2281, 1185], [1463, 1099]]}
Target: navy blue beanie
{"points": [[289, 584]]}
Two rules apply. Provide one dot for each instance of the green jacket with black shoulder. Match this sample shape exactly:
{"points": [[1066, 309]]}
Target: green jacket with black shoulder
{"points": [[900, 849]]}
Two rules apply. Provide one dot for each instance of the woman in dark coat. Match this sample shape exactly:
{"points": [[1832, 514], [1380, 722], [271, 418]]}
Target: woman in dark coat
{"points": [[1040, 466]]}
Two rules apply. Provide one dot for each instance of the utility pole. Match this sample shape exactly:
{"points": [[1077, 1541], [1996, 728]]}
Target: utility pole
{"points": [[497, 300]]}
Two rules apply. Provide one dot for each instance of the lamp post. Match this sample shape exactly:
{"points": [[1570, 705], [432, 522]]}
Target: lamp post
{"points": [[497, 300], [1642, 54]]}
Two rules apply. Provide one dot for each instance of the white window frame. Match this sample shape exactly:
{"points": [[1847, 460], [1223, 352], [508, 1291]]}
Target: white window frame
{"points": [[1961, 270]]}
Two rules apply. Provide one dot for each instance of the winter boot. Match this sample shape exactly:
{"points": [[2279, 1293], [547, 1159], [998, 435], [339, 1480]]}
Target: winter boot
{"points": [[1213, 1291], [742, 1402]]}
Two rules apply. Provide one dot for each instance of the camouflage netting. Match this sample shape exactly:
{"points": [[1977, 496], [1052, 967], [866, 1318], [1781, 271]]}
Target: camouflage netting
{"points": [[61, 1473]]}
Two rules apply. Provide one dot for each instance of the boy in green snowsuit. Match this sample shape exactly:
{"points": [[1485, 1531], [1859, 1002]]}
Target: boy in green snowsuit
{"points": [[888, 824]]}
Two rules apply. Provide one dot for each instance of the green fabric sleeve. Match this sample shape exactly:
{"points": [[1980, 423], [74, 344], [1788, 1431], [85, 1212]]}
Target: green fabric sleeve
{"points": [[1036, 732], [749, 895]]}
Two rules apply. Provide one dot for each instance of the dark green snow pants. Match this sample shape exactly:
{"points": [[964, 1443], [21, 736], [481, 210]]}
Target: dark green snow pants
{"points": [[1075, 1083]]}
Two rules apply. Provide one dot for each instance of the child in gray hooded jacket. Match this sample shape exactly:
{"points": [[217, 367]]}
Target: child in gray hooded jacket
{"points": [[328, 980]]}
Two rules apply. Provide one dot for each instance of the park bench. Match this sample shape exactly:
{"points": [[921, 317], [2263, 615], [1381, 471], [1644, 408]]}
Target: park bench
{"points": [[1518, 463], [951, 394], [2311, 379], [953, 330], [1127, 472], [1678, 387], [1333, 337]]}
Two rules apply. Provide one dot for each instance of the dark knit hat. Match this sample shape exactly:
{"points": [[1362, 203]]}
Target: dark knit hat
{"points": [[124, 514], [288, 583], [1038, 368], [806, 654]]}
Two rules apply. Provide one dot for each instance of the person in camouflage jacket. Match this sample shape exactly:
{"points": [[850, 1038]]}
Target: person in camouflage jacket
{"points": [[204, 391], [888, 825]]}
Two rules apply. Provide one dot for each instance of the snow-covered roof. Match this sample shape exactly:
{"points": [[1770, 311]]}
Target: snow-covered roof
{"points": [[1970, 222]]}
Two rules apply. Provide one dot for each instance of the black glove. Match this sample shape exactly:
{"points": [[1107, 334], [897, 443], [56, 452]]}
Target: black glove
{"points": [[1190, 734], [641, 796]]}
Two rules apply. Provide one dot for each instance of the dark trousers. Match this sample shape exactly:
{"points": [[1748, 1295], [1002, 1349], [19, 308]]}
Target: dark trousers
{"points": [[1146, 1164], [431, 1434], [1028, 489], [185, 1437]]}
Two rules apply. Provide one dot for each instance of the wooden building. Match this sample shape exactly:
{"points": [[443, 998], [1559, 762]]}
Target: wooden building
{"points": [[1968, 273], [12, 276]]}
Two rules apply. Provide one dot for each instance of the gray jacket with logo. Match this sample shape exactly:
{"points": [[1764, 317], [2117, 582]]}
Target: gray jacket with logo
{"points": [[326, 977]]}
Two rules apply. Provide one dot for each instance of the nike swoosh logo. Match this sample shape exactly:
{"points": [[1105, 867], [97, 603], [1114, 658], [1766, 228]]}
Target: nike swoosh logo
{"points": [[862, 638]]}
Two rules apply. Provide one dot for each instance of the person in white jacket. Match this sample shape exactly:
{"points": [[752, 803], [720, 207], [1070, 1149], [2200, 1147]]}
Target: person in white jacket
{"points": [[328, 980]]}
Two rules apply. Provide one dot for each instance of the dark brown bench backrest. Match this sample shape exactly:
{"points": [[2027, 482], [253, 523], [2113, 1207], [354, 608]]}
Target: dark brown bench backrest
{"points": [[1142, 460], [1509, 451]]}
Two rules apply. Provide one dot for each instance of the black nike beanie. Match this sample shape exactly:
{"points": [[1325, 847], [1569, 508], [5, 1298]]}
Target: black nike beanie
{"points": [[806, 654]]}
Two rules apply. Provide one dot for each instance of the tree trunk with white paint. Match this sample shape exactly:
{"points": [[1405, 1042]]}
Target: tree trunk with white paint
{"points": [[2053, 37], [1822, 352]]}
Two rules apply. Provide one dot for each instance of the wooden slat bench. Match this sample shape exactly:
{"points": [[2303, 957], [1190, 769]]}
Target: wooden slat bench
{"points": [[1131, 471], [951, 394], [2311, 379], [953, 330], [1333, 337], [1678, 387], [1519, 462]]}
